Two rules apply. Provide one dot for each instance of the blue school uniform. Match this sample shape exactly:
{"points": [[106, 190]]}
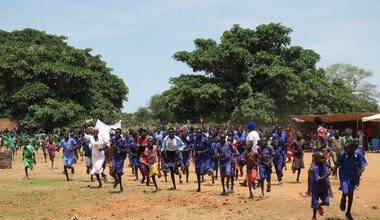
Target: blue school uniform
{"points": [[282, 140], [278, 157], [266, 153], [319, 188], [185, 161], [361, 150], [226, 156], [240, 147], [212, 162], [200, 159], [118, 157], [348, 170], [132, 149], [68, 151]]}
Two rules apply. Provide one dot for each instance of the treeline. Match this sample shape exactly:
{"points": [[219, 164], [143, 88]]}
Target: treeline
{"points": [[257, 74]]}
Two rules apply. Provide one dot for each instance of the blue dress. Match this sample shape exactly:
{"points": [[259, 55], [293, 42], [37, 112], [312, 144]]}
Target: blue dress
{"points": [[241, 147], [68, 151], [118, 157], [201, 158], [278, 157], [348, 170], [266, 153], [133, 150]]}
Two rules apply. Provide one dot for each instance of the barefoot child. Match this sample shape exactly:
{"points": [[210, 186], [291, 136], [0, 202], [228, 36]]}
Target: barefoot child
{"points": [[152, 153], [266, 153], [224, 151], [279, 160], [51, 148], [298, 163], [319, 184], [119, 154], [28, 158], [351, 164], [172, 146], [68, 144], [251, 160], [201, 146]]}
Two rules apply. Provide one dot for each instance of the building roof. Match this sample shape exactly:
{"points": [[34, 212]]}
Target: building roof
{"points": [[328, 118]]}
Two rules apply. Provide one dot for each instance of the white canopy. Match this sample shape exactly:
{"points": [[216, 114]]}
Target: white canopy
{"points": [[372, 118]]}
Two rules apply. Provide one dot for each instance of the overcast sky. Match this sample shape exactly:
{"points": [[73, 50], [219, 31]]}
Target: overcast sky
{"points": [[138, 38]]}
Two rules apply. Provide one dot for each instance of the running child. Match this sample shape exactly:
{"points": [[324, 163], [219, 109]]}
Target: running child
{"points": [[152, 153], [119, 154], [279, 159], [68, 144], [224, 151], [172, 146], [251, 160], [298, 163], [266, 153], [51, 148], [201, 147], [29, 158], [319, 184], [351, 164]]}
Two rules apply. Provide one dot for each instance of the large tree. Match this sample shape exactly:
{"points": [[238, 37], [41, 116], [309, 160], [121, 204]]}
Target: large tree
{"points": [[47, 83], [254, 74], [357, 81]]}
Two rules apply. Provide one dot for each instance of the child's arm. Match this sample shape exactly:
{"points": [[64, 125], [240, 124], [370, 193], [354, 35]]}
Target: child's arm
{"points": [[320, 178]]}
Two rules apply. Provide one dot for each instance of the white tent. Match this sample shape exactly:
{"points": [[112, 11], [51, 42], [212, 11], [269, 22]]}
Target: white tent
{"points": [[372, 118]]}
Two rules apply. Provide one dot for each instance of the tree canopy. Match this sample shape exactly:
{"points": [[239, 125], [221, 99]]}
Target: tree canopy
{"points": [[256, 74], [47, 83]]}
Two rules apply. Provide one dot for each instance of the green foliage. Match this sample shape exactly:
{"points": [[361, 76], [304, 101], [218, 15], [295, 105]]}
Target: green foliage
{"points": [[355, 79], [47, 83], [256, 74]]}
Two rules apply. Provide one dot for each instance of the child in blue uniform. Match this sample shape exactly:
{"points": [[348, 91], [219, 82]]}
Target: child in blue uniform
{"points": [[224, 151], [351, 164], [267, 154], [119, 154], [240, 138], [185, 161], [279, 160], [319, 184], [68, 144], [201, 148]]}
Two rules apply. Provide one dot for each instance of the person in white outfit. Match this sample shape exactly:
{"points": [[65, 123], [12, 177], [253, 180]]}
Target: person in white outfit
{"points": [[97, 146]]}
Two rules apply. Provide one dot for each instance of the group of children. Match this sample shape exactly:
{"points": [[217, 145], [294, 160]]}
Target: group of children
{"points": [[225, 152], [347, 156]]}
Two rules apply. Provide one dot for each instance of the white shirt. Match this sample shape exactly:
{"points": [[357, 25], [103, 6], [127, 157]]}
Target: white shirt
{"points": [[253, 136]]}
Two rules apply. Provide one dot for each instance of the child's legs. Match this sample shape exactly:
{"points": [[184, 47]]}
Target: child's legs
{"points": [[172, 176], [350, 201], [154, 182], [199, 181], [298, 174], [26, 172]]}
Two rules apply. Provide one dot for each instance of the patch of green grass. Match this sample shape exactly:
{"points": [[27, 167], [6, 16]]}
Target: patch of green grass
{"points": [[40, 182], [18, 213]]}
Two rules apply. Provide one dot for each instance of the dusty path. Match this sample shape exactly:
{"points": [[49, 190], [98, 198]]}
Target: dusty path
{"points": [[48, 196]]}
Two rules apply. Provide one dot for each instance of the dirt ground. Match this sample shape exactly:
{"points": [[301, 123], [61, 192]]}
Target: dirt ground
{"points": [[47, 196]]}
